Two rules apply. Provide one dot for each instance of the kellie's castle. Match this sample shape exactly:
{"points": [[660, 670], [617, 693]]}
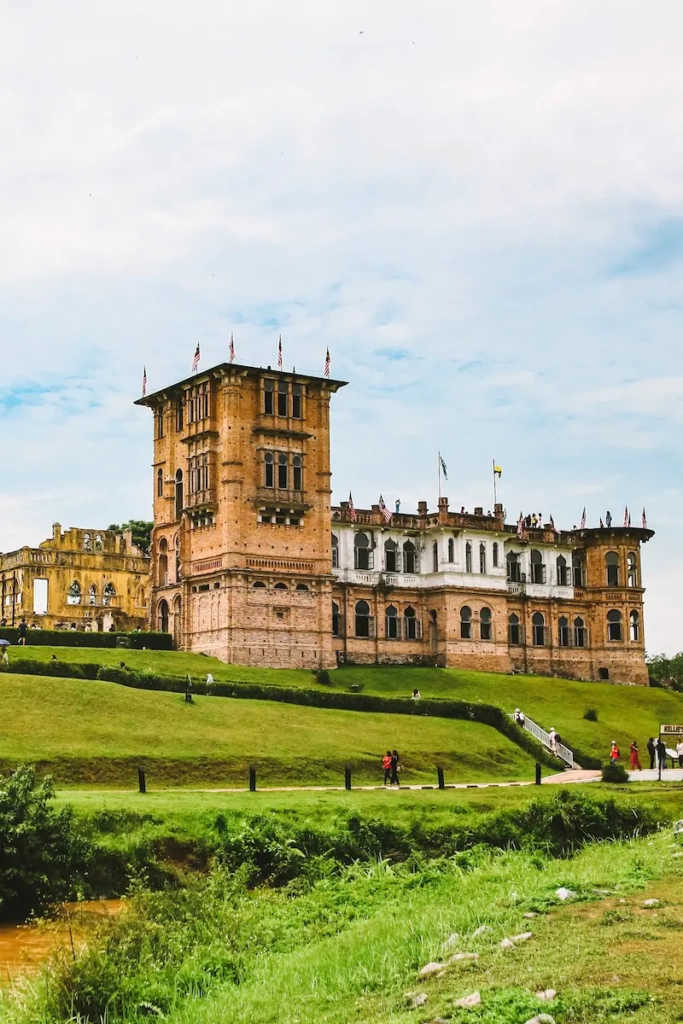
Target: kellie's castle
{"points": [[251, 563]]}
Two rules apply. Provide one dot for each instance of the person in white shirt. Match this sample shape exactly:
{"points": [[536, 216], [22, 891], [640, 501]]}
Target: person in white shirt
{"points": [[679, 751]]}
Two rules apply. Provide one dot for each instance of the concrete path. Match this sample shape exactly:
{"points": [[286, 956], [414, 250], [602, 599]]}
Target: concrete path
{"points": [[652, 775]]}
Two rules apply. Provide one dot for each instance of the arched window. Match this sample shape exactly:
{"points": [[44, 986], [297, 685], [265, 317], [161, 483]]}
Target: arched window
{"points": [[268, 397], [392, 623], [538, 629], [297, 392], [162, 616], [514, 568], [390, 552], [537, 567], [282, 398], [580, 633], [108, 593], [482, 558], [485, 625], [514, 630], [258, 585], [468, 557], [92, 594], [465, 623], [562, 571], [451, 549], [495, 554], [335, 551], [361, 551], [578, 569], [410, 624], [179, 495], [632, 569], [160, 483], [141, 600], [74, 593], [301, 587], [612, 565], [335, 619], [176, 544], [86, 542], [563, 631], [280, 586], [614, 631], [435, 557], [98, 542], [634, 623], [297, 473], [268, 470], [363, 619], [282, 472], [163, 562], [409, 557]]}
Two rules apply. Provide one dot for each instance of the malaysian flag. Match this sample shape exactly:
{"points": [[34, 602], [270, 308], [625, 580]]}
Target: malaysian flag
{"points": [[328, 363], [626, 516], [352, 512], [195, 360], [520, 525], [583, 519], [552, 524], [144, 391], [232, 348], [443, 466], [386, 514], [644, 519], [279, 353]]}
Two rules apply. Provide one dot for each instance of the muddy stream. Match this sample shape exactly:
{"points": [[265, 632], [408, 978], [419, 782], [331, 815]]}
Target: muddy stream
{"points": [[24, 947]]}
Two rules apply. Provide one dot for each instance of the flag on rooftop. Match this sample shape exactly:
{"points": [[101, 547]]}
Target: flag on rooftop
{"points": [[552, 524], [583, 519], [644, 519], [497, 470], [232, 348], [144, 391], [626, 515], [195, 359], [386, 514], [279, 353], [520, 525], [328, 364], [443, 467], [352, 512]]}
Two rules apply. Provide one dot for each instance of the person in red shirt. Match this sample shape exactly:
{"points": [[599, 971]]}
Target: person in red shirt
{"points": [[614, 754], [386, 765], [635, 759]]}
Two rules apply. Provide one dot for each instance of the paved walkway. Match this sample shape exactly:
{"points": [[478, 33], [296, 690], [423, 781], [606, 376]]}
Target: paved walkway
{"points": [[652, 775]]}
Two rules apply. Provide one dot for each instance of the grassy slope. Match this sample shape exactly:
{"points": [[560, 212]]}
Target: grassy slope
{"points": [[623, 711], [92, 731]]}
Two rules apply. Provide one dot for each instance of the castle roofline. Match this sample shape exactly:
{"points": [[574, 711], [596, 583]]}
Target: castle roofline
{"points": [[603, 533], [241, 370]]}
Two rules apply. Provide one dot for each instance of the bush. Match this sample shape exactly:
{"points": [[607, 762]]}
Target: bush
{"points": [[43, 854], [591, 715], [77, 638], [322, 676], [614, 773]]}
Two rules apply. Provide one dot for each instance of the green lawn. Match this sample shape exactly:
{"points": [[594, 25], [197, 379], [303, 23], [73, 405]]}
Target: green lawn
{"points": [[624, 712], [87, 731]]}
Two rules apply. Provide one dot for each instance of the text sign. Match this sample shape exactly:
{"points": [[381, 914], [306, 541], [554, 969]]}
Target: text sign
{"points": [[670, 730]]}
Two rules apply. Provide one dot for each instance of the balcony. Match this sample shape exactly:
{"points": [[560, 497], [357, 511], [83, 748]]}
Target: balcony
{"points": [[202, 499], [275, 497], [516, 587]]}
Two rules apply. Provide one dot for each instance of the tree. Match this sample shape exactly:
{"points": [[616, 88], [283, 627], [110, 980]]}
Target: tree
{"points": [[665, 671], [141, 529]]}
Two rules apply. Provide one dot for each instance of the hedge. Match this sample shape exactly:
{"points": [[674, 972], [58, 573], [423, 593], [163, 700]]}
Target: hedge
{"points": [[486, 714], [79, 638]]}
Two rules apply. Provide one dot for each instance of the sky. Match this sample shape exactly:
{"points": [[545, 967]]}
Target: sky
{"points": [[477, 206]]}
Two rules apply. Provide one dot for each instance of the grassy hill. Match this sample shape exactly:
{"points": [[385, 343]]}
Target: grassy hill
{"points": [[624, 712], [97, 732]]}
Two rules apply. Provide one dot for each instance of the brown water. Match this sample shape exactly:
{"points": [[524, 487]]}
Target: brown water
{"points": [[24, 947]]}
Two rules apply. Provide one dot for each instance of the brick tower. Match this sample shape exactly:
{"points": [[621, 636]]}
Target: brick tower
{"points": [[241, 547]]}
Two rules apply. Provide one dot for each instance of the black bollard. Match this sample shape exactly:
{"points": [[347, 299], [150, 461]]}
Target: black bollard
{"points": [[252, 780], [347, 777], [538, 773], [439, 775], [142, 785]]}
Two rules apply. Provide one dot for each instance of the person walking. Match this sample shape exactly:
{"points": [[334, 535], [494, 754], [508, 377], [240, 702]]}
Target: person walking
{"points": [[661, 753], [652, 751], [614, 753], [395, 768], [635, 759], [679, 751], [552, 739], [23, 632], [386, 765]]}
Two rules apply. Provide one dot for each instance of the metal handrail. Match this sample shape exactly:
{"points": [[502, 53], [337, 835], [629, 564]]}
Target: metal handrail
{"points": [[563, 752]]}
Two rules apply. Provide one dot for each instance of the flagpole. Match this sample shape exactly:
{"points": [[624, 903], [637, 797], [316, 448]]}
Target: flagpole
{"points": [[439, 467], [495, 495]]}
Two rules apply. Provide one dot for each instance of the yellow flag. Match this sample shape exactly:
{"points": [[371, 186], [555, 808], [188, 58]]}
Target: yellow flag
{"points": [[497, 470]]}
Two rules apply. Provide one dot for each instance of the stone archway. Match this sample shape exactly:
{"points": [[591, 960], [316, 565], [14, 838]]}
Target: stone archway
{"points": [[162, 616]]}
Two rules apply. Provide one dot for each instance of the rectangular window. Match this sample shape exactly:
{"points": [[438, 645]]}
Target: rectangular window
{"points": [[282, 472], [297, 411], [390, 559], [297, 473], [282, 398], [179, 417], [268, 397], [40, 589], [160, 422], [269, 470], [482, 559]]}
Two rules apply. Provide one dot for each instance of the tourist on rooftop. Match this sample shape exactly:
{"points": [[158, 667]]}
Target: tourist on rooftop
{"points": [[608, 518]]}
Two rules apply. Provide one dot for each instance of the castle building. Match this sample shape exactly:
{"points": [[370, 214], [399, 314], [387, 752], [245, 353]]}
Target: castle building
{"points": [[81, 579], [252, 564]]}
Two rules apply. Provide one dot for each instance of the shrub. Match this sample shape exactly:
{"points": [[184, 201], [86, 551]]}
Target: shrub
{"points": [[322, 676], [591, 715], [77, 638], [614, 773]]}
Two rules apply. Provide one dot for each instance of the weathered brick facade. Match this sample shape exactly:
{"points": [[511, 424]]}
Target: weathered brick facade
{"points": [[251, 563]]}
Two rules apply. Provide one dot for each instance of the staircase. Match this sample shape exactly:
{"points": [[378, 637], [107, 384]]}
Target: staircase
{"points": [[564, 753]]}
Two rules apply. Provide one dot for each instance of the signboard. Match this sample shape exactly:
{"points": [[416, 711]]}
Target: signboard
{"points": [[671, 730]]}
